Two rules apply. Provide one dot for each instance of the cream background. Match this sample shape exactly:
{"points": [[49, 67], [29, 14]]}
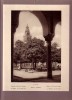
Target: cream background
{"points": [[14, 86]]}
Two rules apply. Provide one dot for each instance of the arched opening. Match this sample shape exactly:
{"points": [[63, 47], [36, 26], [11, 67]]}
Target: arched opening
{"points": [[36, 22], [37, 28]]}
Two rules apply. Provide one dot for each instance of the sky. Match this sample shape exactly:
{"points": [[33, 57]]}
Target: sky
{"points": [[27, 18]]}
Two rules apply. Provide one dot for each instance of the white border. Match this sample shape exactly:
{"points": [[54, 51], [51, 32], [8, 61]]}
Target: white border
{"points": [[7, 84]]}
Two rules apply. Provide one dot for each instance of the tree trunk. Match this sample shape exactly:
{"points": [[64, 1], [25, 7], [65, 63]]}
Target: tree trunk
{"points": [[35, 65]]}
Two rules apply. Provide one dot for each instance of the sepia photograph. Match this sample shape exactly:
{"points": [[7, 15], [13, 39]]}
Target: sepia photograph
{"points": [[35, 46]]}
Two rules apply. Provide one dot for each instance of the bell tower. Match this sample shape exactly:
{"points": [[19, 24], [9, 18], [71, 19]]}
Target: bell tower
{"points": [[27, 36]]}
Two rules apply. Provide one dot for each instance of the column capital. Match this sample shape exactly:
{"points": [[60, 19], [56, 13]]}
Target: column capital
{"points": [[49, 37]]}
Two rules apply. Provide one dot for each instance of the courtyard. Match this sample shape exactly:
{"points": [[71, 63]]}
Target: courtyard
{"points": [[35, 76]]}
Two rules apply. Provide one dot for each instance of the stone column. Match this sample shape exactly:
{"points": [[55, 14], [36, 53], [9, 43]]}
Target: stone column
{"points": [[48, 38], [49, 65]]}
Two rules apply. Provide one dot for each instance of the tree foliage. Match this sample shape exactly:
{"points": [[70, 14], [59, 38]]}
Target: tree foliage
{"points": [[34, 51], [56, 53], [18, 50]]}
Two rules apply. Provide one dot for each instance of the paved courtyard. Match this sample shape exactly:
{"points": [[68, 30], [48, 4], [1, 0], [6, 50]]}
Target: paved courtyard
{"points": [[33, 74]]}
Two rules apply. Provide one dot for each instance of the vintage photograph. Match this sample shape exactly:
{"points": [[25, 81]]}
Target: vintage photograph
{"points": [[35, 46]]}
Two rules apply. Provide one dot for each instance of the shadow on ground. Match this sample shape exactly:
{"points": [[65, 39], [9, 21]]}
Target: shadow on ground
{"points": [[56, 78]]}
